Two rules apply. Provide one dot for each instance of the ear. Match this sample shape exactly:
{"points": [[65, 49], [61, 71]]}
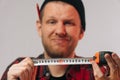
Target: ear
{"points": [[81, 34], [38, 26]]}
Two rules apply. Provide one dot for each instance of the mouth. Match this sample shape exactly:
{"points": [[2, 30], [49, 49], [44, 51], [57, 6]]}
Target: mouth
{"points": [[61, 40]]}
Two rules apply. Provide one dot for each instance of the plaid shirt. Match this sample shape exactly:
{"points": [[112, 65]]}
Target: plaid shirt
{"points": [[74, 72]]}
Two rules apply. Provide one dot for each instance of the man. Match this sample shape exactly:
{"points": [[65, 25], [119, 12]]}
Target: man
{"points": [[61, 26]]}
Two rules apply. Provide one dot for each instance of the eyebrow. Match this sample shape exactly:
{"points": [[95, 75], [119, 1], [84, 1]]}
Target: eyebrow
{"points": [[68, 19]]}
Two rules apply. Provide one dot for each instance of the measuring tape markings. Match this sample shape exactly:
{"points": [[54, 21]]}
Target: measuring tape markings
{"points": [[62, 61]]}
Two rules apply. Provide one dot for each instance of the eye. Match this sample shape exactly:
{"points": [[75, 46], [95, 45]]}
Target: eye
{"points": [[51, 22], [70, 23]]}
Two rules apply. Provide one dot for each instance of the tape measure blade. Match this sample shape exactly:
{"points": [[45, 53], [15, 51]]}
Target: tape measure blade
{"points": [[62, 61]]}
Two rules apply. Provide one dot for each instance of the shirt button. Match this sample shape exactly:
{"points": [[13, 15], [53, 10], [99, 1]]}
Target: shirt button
{"points": [[47, 75]]}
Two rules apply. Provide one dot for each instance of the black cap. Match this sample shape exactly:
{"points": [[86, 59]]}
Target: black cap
{"points": [[78, 4]]}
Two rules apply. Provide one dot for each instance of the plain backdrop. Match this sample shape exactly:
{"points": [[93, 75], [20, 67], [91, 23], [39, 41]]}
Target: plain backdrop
{"points": [[19, 38]]}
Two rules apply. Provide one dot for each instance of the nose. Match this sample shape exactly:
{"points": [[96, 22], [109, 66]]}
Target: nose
{"points": [[60, 30]]}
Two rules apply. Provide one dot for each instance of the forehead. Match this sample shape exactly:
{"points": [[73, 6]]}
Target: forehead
{"points": [[59, 7]]}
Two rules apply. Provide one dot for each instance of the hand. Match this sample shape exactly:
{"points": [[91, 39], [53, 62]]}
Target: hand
{"points": [[114, 65], [22, 70]]}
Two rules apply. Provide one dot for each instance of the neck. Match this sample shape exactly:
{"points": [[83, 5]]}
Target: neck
{"points": [[58, 70]]}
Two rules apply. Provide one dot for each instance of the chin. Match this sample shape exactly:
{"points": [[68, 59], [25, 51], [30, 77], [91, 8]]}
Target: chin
{"points": [[56, 54]]}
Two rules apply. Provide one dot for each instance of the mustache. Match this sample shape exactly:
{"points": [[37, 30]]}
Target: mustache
{"points": [[67, 37]]}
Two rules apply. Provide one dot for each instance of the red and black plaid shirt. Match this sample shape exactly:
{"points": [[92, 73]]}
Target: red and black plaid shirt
{"points": [[74, 72]]}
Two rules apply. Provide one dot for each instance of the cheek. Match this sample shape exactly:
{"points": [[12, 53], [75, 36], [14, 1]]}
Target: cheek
{"points": [[75, 33], [46, 31]]}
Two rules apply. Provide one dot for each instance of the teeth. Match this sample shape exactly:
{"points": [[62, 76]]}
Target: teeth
{"points": [[61, 61]]}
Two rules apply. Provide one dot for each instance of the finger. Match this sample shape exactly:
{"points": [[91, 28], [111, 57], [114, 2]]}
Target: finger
{"points": [[15, 72], [28, 67], [116, 59], [23, 73], [97, 71], [23, 76], [110, 61], [28, 61], [111, 64]]}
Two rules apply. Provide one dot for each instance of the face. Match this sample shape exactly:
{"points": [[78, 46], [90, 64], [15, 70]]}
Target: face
{"points": [[60, 29]]}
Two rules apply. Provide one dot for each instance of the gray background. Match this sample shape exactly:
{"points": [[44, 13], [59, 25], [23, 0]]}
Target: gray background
{"points": [[18, 35]]}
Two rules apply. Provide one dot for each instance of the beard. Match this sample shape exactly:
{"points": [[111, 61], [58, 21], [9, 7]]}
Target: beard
{"points": [[53, 52], [58, 52]]}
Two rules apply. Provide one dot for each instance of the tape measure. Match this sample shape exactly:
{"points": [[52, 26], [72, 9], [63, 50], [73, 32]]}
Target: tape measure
{"points": [[98, 58]]}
